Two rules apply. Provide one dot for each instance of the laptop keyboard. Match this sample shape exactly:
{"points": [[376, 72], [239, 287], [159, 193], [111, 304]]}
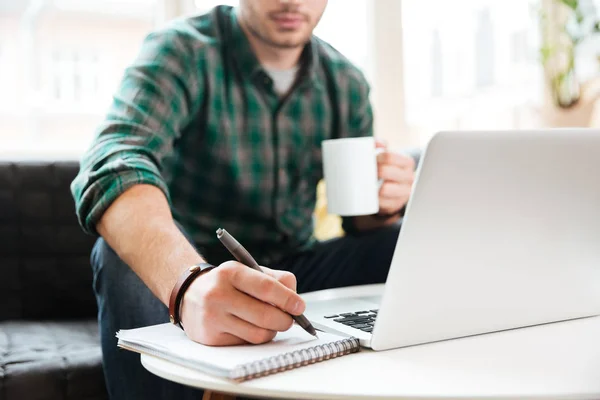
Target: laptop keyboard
{"points": [[363, 320]]}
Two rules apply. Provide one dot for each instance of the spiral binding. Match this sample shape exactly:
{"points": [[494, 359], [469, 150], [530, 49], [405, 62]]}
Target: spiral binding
{"points": [[295, 359]]}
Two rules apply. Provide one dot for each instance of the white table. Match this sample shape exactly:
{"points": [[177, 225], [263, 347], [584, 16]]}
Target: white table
{"points": [[553, 361]]}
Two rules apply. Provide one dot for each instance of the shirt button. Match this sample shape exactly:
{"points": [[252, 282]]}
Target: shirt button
{"points": [[267, 81]]}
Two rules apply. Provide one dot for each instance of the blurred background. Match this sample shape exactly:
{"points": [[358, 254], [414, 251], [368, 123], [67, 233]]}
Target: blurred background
{"points": [[432, 64]]}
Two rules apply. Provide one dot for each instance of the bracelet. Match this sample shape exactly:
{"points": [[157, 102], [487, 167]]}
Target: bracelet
{"points": [[184, 282]]}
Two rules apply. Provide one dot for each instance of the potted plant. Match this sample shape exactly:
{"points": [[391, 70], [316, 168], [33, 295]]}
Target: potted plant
{"points": [[565, 24]]}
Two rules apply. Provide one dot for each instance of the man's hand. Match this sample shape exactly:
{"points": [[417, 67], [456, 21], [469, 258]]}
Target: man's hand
{"points": [[397, 172], [234, 304]]}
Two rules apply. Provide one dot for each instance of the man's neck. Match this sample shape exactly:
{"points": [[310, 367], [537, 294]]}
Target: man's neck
{"points": [[270, 56]]}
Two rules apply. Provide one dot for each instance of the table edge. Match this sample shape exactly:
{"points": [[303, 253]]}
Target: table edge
{"points": [[233, 388]]}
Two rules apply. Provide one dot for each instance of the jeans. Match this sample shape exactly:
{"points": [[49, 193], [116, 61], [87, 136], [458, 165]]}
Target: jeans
{"points": [[125, 302]]}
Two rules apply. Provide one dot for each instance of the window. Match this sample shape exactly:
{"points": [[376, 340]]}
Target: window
{"points": [[87, 83], [64, 76], [470, 64], [9, 80], [74, 77], [71, 56], [7, 75], [3, 73], [348, 34]]}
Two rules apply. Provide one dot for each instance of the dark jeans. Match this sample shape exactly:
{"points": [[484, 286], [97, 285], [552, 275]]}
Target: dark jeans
{"points": [[125, 302]]}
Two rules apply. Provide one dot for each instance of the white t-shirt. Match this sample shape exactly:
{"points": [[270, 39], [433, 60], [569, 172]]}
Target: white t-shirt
{"points": [[283, 79]]}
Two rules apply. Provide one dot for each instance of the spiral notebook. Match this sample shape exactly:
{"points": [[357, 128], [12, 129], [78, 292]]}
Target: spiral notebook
{"points": [[291, 349]]}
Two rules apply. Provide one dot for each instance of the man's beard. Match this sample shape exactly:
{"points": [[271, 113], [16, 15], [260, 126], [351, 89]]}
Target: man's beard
{"points": [[280, 45]]}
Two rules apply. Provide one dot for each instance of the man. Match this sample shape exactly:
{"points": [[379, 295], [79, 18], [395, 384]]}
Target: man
{"points": [[218, 123]]}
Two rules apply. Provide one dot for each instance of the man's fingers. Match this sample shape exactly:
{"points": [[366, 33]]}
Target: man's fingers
{"points": [[258, 313], [246, 331], [399, 160], [393, 190], [266, 288], [393, 173], [285, 277]]}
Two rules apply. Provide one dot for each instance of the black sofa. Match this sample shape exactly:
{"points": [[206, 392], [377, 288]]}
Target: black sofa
{"points": [[49, 343]]}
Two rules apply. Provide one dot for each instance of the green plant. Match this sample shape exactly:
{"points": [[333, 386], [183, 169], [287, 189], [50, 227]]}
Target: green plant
{"points": [[572, 22]]}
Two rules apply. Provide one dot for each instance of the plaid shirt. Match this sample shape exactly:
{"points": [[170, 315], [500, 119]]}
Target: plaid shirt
{"points": [[196, 116]]}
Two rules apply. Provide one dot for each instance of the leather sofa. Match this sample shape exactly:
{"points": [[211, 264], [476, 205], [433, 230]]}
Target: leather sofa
{"points": [[49, 343]]}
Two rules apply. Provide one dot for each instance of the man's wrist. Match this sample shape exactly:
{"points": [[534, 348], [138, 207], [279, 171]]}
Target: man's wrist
{"points": [[183, 283], [176, 267]]}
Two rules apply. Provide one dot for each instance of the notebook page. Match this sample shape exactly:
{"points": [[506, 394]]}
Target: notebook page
{"points": [[169, 338]]}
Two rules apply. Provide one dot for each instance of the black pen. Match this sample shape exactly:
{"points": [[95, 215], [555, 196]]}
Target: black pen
{"points": [[242, 255]]}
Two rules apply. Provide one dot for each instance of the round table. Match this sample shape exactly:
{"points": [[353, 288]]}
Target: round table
{"points": [[553, 361]]}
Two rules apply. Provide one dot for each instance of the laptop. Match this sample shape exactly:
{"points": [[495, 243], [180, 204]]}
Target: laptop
{"points": [[502, 231]]}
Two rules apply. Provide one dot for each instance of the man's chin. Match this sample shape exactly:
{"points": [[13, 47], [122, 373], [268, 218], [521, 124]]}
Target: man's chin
{"points": [[289, 43]]}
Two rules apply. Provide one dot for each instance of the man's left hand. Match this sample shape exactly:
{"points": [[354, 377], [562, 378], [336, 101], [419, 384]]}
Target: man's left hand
{"points": [[397, 172]]}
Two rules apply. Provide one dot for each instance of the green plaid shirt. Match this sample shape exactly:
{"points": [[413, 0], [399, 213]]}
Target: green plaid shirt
{"points": [[196, 116]]}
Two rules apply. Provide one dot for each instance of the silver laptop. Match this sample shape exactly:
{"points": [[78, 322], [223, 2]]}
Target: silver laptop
{"points": [[502, 231]]}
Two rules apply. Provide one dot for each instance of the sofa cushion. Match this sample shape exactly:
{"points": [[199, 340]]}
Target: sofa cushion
{"points": [[44, 255], [50, 360]]}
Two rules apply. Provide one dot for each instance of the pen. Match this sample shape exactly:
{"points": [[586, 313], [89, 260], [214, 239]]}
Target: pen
{"points": [[242, 255]]}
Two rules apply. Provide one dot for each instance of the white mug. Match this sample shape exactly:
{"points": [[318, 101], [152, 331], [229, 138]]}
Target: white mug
{"points": [[350, 172]]}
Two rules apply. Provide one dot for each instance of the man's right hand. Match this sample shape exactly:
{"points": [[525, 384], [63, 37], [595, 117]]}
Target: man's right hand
{"points": [[234, 304]]}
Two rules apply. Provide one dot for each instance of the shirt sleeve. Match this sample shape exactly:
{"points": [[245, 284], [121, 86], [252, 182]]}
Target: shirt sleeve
{"points": [[360, 121], [156, 99]]}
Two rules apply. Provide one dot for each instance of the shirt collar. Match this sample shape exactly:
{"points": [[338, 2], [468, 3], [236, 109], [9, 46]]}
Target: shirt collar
{"points": [[248, 64], [310, 62]]}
